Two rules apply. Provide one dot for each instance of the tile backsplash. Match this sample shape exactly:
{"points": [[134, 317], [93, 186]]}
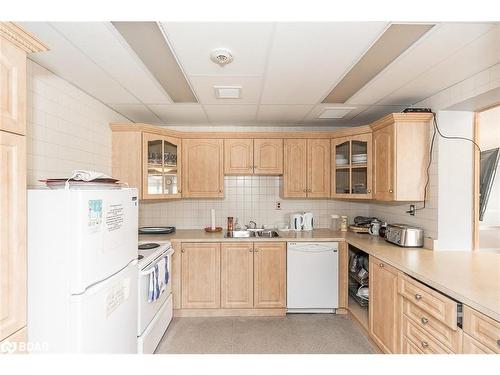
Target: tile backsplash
{"points": [[247, 198]]}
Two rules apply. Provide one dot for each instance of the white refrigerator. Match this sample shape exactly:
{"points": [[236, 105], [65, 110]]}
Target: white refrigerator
{"points": [[82, 270]]}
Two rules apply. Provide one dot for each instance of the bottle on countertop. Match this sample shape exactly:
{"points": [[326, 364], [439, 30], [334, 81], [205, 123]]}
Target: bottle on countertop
{"points": [[343, 223], [230, 223]]}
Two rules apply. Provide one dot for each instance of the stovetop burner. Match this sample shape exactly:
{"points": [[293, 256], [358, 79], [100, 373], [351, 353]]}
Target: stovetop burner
{"points": [[148, 246]]}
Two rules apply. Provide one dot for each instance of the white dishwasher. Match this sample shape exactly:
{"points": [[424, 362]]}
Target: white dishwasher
{"points": [[312, 277]]}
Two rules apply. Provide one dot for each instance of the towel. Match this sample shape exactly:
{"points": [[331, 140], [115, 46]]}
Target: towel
{"points": [[158, 280], [82, 175]]}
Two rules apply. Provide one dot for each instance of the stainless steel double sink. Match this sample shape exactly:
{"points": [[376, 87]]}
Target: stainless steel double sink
{"points": [[265, 233]]}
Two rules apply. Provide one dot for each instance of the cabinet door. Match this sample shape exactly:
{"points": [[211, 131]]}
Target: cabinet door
{"points": [[200, 275], [295, 169], [162, 161], [237, 275], [383, 307], [383, 163], [318, 168], [361, 166], [268, 156], [269, 275], [12, 88], [238, 156], [341, 176], [203, 171], [12, 233]]}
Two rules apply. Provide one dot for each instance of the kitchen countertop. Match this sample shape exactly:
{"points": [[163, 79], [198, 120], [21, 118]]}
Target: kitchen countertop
{"points": [[468, 277]]}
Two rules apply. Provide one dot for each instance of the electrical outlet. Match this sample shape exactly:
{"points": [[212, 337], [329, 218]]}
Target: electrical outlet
{"points": [[278, 205], [412, 211]]}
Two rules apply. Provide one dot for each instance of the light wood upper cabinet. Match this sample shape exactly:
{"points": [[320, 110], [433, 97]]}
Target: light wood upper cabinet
{"points": [[12, 233], [253, 156], [383, 164], [12, 88], [306, 168], [162, 160], [384, 314], [200, 275], [237, 275], [295, 169], [401, 156], [318, 168], [202, 168], [238, 156], [269, 275], [268, 156], [352, 167]]}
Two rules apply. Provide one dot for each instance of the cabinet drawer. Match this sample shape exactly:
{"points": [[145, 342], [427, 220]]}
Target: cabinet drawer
{"points": [[410, 348], [447, 336], [472, 346], [436, 304], [425, 342], [482, 328]]}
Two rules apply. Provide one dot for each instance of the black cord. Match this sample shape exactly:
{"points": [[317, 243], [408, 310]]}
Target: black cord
{"points": [[436, 129]]}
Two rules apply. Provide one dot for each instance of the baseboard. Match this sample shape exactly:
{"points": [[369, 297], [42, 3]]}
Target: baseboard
{"points": [[191, 313]]}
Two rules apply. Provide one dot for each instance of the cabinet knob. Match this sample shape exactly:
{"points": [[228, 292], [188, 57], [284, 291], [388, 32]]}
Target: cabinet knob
{"points": [[381, 265], [424, 344], [183, 251], [310, 190], [390, 190], [256, 250], [304, 190], [418, 297], [250, 250], [220, 190], [179, 191], [424, 320], [369, 191]]}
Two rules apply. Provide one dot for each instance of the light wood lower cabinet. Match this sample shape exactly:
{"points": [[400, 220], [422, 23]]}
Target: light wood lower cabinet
{"points": [[383, 309], [202, 168], [15, 343], [200, 275], [481, 329], [12, 233], [472, 346], [237, 275], [252, 277], [270, 274]]}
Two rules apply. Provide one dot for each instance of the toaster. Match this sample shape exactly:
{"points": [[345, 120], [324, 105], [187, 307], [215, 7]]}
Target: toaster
{"points": [[404, 235]]}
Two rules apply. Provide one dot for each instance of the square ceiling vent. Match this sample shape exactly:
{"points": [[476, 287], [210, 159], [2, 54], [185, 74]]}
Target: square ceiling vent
{"points": [[227, 92], [334, 112]]}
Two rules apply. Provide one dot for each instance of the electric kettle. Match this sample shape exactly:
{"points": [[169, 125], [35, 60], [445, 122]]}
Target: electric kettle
{"points": [[308, 221], [296, 221]]}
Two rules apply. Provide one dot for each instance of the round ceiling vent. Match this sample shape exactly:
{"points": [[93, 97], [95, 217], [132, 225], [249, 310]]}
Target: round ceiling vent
{"points": [[221, 56]]}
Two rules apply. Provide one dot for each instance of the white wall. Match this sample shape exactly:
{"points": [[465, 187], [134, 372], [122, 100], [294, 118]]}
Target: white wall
{"points": [[67, 129], [248, 198]]}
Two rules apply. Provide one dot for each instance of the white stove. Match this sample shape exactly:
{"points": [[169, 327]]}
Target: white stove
{"points": [[155, 316]]}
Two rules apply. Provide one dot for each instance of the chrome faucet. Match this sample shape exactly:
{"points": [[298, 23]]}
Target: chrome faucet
{"points": [[251, 225]]}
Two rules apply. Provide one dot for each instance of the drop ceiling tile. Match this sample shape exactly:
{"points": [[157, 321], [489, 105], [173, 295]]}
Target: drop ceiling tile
{"points": [[180, 113], [137, 113], [234, 114], [192, 43], [441, 42], [282, 113], [203, 86], [307, 59], [105, 46], [471, 59], [66, 61], [374, 113]]}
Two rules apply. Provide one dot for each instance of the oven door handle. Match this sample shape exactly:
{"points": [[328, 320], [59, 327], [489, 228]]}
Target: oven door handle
{"points": [[155, 262]]}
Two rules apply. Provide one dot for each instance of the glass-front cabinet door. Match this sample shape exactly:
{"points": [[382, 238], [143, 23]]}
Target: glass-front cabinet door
{"points": [[162, 174], [352, 167]]}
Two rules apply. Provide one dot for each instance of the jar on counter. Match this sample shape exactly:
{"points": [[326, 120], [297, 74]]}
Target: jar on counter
{"points": [[343, 223], [335, 223]]}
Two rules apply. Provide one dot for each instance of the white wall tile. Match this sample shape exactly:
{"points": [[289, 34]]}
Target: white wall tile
{"points": [[67, 129]]}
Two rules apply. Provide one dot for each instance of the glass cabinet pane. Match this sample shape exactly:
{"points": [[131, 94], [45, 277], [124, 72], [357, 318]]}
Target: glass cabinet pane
{"points": [[170, 152], [359, 180], [359, 153], [155, 167], [342, 154], [342, 181]]}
